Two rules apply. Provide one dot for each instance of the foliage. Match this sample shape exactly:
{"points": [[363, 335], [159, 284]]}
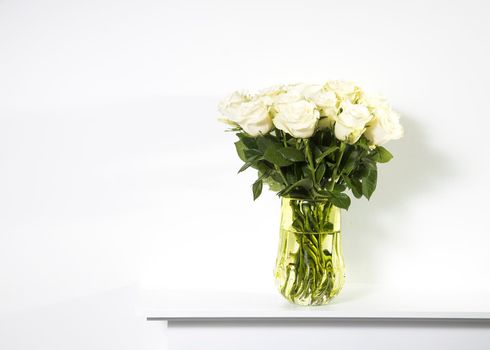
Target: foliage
{"points": [[319, 168]]}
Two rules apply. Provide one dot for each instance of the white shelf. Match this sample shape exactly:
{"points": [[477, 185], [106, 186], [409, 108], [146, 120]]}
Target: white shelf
{"points": [[355, 301]]}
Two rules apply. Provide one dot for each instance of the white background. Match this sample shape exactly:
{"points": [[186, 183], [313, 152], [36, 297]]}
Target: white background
{"points": [[115, 175]]}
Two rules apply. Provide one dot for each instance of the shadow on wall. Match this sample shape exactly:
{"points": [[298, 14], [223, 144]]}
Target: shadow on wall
{"points": [[371, 227]]}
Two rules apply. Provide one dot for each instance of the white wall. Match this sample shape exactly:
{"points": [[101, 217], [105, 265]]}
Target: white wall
{"points": [[114, 173]]}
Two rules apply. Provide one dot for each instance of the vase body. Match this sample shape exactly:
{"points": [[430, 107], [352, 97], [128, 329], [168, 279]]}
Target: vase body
{"points": [[309, 265]]}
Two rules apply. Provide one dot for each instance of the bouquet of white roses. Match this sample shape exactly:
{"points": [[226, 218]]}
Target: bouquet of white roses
{"points": [[313, 141]]}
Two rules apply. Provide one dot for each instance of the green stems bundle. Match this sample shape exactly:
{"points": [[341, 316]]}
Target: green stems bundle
{"points": [[309, 266]]}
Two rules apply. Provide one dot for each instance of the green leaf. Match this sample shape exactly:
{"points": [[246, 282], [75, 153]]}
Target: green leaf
{"points": [[252, 153], [305, 170], [292, 141], [317, 151], [264, 175], [354, 185], [244, 167], [277, 177], [240, 150], [273, 184], [339, 187], [290, 177], [340, 200], [262, 166], [351, 162], [292, 154], [363, 143], [306, 183], [257, 188], [272, 155], [381, 155], [264, 143], [369, 183], [369, 163], [325, 153], [250, 162], [248, 141], [320, 171]]}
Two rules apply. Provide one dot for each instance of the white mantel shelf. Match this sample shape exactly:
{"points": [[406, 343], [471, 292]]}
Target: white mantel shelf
{"points": [[356, 301]]}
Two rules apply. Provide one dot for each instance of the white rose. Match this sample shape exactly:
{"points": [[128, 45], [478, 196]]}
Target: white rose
{"points": [[251, 114], [297, 118], [351, 122], [269, 95], [344, 89], [229, 106], [384, 127], [227, 122], [289, 94], [326, 122], [272, 90], [346, 134], [374, 101], [325, 100], [297, 88]]}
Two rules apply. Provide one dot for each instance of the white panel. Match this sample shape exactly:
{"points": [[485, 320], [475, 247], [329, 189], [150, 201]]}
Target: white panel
{"points": [[346, 336]]}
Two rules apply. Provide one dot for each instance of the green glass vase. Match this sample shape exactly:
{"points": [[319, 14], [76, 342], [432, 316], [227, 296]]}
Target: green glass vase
{"points": [[309, 266]]}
